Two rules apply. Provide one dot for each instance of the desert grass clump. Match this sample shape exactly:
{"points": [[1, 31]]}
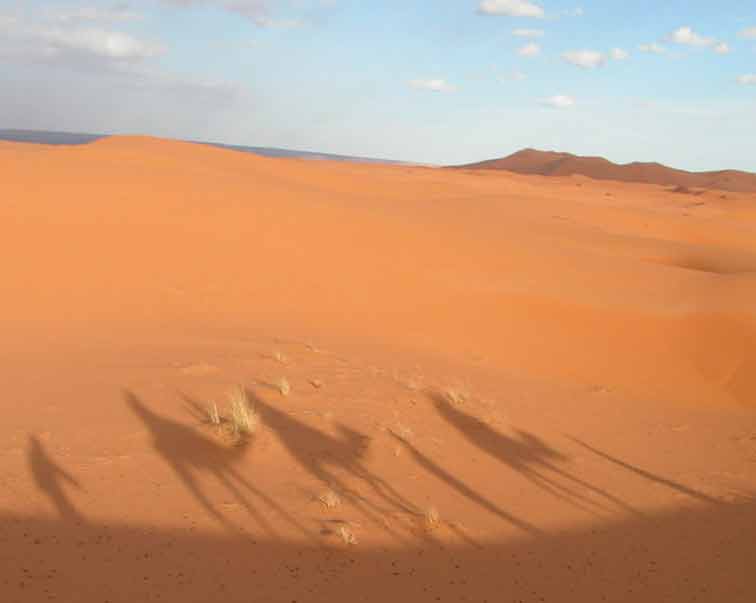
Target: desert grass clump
{"points": [[283, 386], [329, 499], [432, 518], [213, 415], [347, 535], [456, 396], [242, 417]]}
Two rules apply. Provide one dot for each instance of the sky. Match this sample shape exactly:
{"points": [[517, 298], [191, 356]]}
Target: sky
{"points": [[434, 81]]}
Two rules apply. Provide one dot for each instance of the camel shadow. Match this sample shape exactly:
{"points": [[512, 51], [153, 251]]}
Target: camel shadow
{"points": [[530, 457], [332, 460], [190, 454]]}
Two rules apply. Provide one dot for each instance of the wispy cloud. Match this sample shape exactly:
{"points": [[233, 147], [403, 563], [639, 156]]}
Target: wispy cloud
{"points": [[72, 43], [652, 48], [270, 23], [559, 101], [528, 33], [722, 48], [749, 33], [685, 35], [511, 8], [748, 79], [587, 59], [91, 14], [434, 85], [512, 76], [529, 50], [619, 54]]}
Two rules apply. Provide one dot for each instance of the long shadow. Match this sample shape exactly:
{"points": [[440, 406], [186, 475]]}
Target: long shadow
{"points": [[703, 554], [647, 474], [325, 457], [49, 477], [189, 453], [439, 472], [530, 457]]}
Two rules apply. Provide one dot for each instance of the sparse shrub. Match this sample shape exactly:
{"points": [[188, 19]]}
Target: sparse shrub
{"points": [[214, 415], [347, 535], [432, 518], [330, 499], [243, 418]]}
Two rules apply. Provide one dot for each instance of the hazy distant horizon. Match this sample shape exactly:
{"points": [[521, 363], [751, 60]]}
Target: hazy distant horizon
{"points": [[444, 83]]}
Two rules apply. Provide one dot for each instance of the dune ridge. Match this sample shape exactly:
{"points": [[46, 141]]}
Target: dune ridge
{"points": [[551, 163]]}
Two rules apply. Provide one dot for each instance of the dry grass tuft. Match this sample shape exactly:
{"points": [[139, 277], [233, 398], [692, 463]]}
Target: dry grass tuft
{"points": [[432, 518], [456, 396], [283, 386], [213, 415], [347, 535], [329, 499], [243, 418]]}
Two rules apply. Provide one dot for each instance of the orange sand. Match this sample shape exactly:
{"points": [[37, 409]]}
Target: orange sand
{"points": [[565, 369]]}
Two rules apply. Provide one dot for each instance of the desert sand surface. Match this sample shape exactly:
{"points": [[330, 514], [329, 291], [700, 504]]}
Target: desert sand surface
{"points": [[552, 163], [466, 385]]}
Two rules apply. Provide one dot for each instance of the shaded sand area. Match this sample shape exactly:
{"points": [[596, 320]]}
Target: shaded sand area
{"points": [[467, 386]]}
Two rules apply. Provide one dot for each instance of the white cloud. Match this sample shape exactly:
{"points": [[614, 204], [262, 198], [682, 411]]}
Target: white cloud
{"points": [[653, 48], [516, 76], [685, 35], [722, 48], [115, 14], [37, 40], [748, 79], [528, 33], [511, 8], [529, 50], [748, 33], [267, 22], [618, 54], [247, 8], [574, 12], [434, 85], [559, 101], [587, 59]]}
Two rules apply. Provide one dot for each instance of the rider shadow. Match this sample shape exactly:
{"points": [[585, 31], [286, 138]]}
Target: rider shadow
{"points": [[49, 477], [530, 457], [191, 454], [333, 459]]}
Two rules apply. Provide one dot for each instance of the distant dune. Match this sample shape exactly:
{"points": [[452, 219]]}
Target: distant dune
{"points": [[550, 163], [76, 138]]}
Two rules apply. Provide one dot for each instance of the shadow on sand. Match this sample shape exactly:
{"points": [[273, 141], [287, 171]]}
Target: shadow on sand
{"points": [[50, 477], [530, 457], [335, 460], [704, 554], [191, 454]]}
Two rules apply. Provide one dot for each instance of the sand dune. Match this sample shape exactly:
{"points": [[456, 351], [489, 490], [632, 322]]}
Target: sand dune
{"points": [[542, 360], [550, 163]]}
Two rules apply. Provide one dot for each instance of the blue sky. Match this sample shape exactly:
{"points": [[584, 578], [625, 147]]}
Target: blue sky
{"points": [[439, 81]]}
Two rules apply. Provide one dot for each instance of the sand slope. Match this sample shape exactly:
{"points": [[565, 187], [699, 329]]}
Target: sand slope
{"points": [[541, 360]]}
